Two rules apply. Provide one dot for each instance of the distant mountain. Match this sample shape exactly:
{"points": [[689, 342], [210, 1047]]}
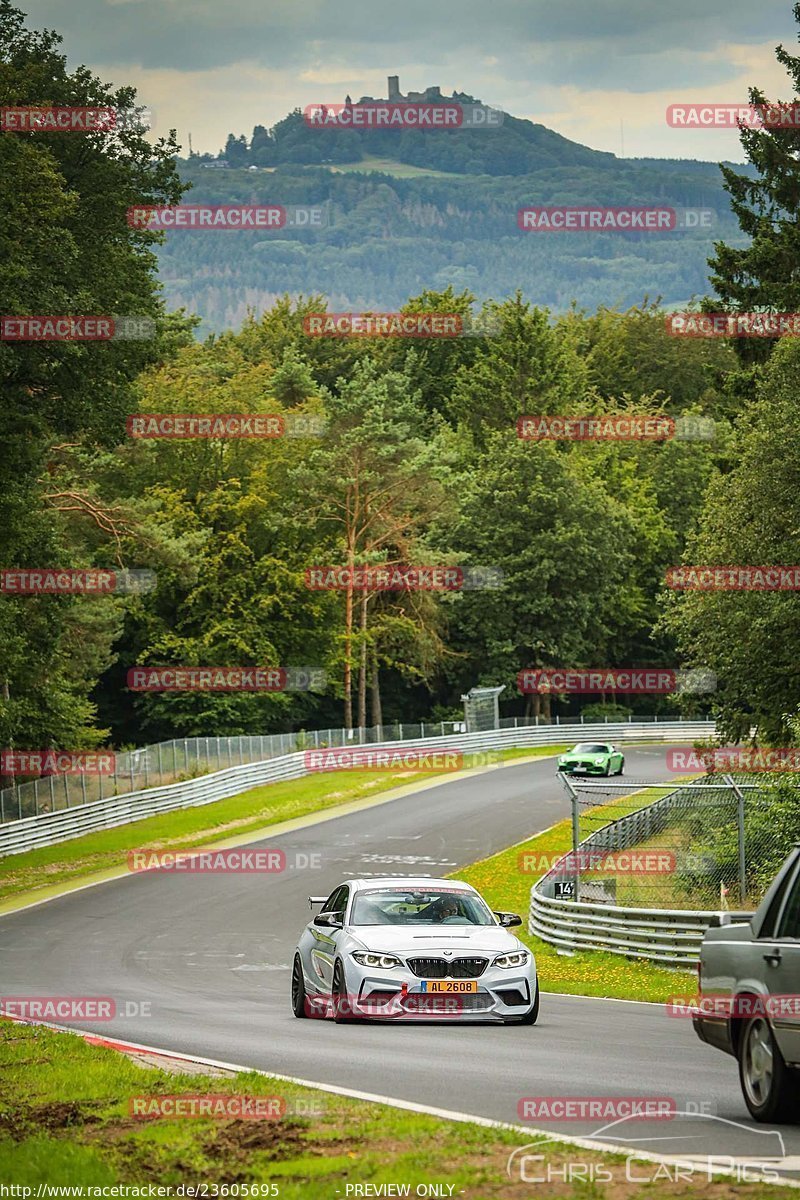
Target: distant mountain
{"points": [[513, 147], [409, 210]]}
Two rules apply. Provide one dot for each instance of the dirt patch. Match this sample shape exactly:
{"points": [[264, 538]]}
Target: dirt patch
{"points": [[31, 1119], [236, 1140]]}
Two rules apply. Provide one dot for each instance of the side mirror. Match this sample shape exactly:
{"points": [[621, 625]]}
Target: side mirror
{"points": [[328, 920], [508, 919]]}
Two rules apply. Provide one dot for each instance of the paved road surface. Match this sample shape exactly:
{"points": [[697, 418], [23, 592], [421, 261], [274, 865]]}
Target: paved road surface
{"points": [[211, 955]]}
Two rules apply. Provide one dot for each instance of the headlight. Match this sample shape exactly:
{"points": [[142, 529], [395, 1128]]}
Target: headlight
{"points": [[517, 959], [598, 762], [562, 758], [376, 960]]}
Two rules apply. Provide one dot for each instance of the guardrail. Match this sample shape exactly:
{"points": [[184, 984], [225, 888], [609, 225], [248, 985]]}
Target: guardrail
{"points": [[46, 829], [669, 936]]}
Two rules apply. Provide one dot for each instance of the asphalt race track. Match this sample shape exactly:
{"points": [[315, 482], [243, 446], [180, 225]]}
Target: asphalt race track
{"points": [[210, 955]]}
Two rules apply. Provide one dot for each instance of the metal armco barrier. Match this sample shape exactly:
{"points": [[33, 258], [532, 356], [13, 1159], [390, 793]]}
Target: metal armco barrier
{"points": [[48, 828], [669, 936]]}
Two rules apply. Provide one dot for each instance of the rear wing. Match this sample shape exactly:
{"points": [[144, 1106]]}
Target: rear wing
{"points": [[312, 900]]}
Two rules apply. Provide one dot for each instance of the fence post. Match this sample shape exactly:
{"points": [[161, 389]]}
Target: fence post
{"points": [[740, 827], [576, 837], [160, 766]]}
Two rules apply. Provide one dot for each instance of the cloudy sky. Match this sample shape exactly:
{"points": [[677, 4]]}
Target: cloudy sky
{"points": [[601, 72]]}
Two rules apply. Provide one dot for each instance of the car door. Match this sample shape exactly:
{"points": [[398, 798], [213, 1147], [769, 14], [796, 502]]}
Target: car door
{"points": [[780, 971], [323, 951]]}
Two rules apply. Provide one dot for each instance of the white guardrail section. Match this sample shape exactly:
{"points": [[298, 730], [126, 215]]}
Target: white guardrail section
{"points": [[668, 936], [46, 829]]}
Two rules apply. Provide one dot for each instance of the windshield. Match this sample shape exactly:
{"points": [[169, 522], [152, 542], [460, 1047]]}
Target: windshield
{"points": [[590, 748], [437, 906]]}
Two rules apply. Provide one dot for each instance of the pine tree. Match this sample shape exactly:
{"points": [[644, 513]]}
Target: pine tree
{"points": [[766, 273]]}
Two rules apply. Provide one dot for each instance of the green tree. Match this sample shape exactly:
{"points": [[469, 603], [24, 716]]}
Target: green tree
{"points": [[65, 248], [752, 515], [765, 274]]}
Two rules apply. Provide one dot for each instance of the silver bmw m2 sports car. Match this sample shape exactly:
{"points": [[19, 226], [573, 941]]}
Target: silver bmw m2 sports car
{"points": [[412, 948]]}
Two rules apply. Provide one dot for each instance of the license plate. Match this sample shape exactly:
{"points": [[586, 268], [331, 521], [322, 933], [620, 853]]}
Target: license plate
{"points": [[449, 985]]}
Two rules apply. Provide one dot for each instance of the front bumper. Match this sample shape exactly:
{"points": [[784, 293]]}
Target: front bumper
{"points": [[400, 995], [583, 768]]}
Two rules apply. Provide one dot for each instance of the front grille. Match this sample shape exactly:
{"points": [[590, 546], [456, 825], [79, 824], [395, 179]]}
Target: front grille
{"points": [[444, 968]]}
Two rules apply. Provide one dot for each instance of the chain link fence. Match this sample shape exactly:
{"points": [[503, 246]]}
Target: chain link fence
{"points": [[715, 842]]}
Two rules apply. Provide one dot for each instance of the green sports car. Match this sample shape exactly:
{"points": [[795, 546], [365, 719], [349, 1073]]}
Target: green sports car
{"points": [[592, 758]]}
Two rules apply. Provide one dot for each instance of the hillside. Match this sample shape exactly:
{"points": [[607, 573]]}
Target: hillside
{"points": [[391, 236]]}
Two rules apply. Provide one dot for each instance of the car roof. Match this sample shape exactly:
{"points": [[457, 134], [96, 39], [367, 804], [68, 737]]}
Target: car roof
{"points": [[405, 881]]}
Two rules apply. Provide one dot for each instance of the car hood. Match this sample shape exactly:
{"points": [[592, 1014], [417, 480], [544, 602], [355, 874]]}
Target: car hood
{"points": [[432, 939], [586, 754]]}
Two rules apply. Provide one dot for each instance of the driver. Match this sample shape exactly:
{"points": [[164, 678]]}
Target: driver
{"points": [[447, 909]]}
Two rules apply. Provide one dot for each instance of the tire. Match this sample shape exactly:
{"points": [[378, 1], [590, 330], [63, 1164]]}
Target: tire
{"points": [[342, 1013], [769, 1087], [531, 1016], [298, 989], [621, 770], [607, 771]]}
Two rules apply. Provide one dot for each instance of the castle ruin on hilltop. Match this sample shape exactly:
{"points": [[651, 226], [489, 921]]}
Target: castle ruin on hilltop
{"points": [[431, 95]]}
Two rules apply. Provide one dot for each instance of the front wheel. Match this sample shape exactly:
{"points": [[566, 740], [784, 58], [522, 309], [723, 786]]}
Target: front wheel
{"points": [[298, 989], [769, 1087], [342, 1008], [621, 770]]}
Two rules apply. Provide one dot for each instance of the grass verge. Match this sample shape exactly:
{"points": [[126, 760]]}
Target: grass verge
{"points": [[507, 887], [186, 828], [66, 1120]]}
